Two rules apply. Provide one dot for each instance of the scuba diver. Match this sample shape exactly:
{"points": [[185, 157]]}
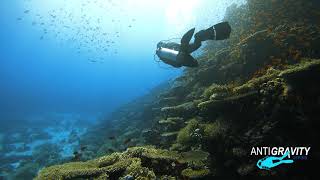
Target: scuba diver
{"points": [[178, 55]]}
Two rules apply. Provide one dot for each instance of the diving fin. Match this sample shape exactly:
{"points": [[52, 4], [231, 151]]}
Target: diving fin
{"points": [[187, 37], [223, 30], [186, 60]]}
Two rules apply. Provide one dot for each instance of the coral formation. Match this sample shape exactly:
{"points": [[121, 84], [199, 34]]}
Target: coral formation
{"points": [[261, 87], [137, 162]]}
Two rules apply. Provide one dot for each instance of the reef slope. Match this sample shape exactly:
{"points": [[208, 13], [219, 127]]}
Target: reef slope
{"points": [[260, 88]]}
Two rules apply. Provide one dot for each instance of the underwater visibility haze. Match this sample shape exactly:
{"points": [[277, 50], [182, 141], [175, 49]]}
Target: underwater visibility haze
{"points": [[87, 56], [88, 89]]}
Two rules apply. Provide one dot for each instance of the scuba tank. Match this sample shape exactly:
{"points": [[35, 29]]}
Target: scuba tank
{"points": [[165, 53], [169, 56], [180, 57], [176, 58]]}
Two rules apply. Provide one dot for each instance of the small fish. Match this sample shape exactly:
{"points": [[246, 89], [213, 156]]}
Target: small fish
{"points": [[127, 141], [130, 26], [26, 11], [19, 19], [112, 137]]}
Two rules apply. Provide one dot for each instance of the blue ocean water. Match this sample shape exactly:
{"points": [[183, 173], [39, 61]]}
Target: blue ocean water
{"points": [[65, 64]]}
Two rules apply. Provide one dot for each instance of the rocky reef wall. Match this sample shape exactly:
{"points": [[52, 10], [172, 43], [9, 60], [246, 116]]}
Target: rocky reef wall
{"points": [[260, 88]]}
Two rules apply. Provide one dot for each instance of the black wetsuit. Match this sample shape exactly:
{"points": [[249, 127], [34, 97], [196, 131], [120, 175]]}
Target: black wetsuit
{"points": [[217, 32]]}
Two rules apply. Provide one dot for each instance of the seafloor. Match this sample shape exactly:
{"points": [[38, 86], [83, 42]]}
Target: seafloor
{"points": [[260, 88]]}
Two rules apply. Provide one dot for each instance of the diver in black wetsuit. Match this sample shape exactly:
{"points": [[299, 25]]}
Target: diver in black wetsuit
{"points": [[178, 55]]}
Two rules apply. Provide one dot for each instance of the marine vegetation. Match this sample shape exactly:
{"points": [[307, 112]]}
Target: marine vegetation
{"points": [[137, 163], [260, 87]]}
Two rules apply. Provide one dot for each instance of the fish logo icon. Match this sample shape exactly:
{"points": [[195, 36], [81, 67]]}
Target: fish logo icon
{"points": [[269, 162]]}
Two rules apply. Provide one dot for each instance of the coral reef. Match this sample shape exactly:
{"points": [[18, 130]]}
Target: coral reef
{"points": [[259, 88], [137, 162]]}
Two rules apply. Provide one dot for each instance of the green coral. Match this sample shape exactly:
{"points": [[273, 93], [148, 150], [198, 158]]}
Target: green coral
{"points": [[221, 105], [254, 83], [171, 120], [169, 134], [215, 129], [138, 162], [181, 110], [296, 70], [194, 158], [136, 170], [305, 66], [185, 134], [215, 90], [70, 171], [194, 174]]}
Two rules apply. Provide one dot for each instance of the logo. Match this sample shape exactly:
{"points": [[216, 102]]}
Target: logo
{"points": [[269, 162], [275, 156]]}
